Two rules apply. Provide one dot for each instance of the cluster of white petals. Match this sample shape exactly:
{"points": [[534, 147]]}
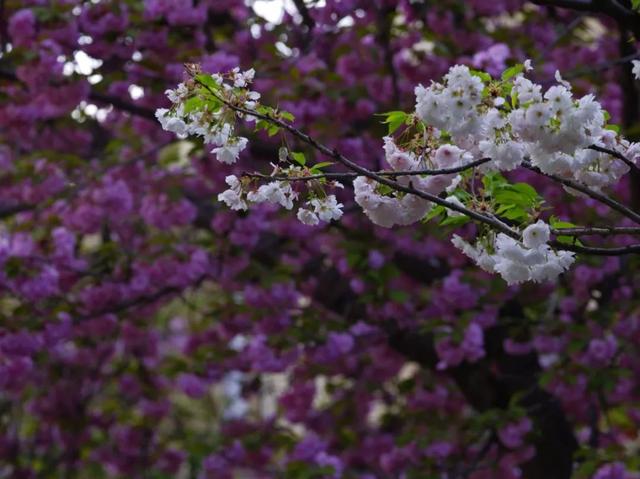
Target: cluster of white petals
{"points": [[233, 197], [467, 120], [552, 128], [320, 209], [452, 106], [396, 208], [280, 193], [531, 259], [209, 125], [275, 192]]}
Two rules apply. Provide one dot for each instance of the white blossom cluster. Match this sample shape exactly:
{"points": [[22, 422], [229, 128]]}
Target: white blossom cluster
{"points": [[320, 209], [403, 209], [531, 259], [636, 69], [210, 125], [325, 208], [553, 128], [466, 117]]}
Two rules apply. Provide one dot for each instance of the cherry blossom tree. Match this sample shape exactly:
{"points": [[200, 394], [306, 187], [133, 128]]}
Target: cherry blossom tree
{"points": [[369, 239]]}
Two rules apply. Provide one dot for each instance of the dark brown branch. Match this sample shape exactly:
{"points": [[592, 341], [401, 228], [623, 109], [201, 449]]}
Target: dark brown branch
{"points": [[613, 204], [384, 24], [596, 251], [624, 16], [307, 19], [597, 230], [10, 210], [141, 300], [600, 66], [392, 174], [123, 105], [615, 154], [4, 35], [116, 102], [482, 218]]}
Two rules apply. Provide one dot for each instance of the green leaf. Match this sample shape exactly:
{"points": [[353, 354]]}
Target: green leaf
{"points": [[322, 164], [287, 115], [208, 81], [399, 296], [265, 110], [635, 4], [513, 202], [298, 157], [176, 154], [516, 214], [557, 223], [615, 128], [512, 71], [568, 240], [394, 119], [192, 104], [272, 129], [492, 181], [519, 194], [455, 220], [484, 76], [305, 470], [435, 211]]}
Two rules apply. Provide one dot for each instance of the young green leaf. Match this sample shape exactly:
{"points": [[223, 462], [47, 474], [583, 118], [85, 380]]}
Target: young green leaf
{"points": [[298, 157], [435, 211], [395, 119], [208, 81], [512, 71], [484, 76], [322, 164], [455, 220], [287, 115], [193, 104]]}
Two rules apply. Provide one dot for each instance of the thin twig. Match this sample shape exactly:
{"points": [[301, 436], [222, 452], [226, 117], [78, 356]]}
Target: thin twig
{"points": [[613, 204], [600, 66], [482, 218], [612, 9], [597, 251], [615, 154], [392, 174], [597, 230]]}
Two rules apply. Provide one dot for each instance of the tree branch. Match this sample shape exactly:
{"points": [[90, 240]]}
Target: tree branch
{"points": [[613, 9], [303, 10], [336, 155], [116, 102], [596, 251], [613, 204], [616, 154], [392, 174], [490, 221], [597, 230]]}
